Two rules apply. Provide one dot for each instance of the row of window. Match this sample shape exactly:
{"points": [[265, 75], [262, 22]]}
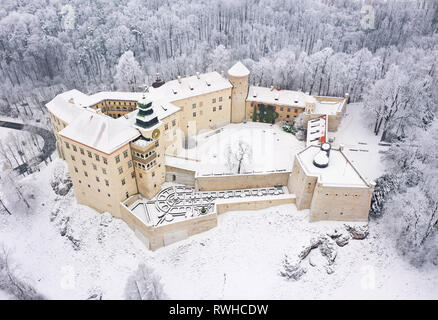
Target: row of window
{"points": [[96, 156], [288, 109], [166, 126], [147, 166], [220, 99], [123, 181], [200, 112], [146, 155]]}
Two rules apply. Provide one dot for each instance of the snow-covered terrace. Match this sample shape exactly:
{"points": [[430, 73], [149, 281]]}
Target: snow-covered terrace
{"points": [[328, 105], [340, 172], [179, 203]]}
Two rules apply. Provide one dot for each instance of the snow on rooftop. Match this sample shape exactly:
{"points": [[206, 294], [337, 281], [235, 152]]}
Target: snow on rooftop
{"points": [[238, 70], [99, 132], [63, 107], [279, 97], [339, 171], [190, 87], [162, 109], [328, 106]]}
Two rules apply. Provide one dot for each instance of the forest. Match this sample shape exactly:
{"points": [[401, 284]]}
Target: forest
{"points": [[384, 53]]}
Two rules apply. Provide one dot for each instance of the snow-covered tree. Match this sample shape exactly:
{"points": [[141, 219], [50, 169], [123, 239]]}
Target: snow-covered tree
{"points": [[239, 156], [144, 284], [129, 75]]}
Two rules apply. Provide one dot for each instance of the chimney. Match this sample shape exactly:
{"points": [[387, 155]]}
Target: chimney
{"points": [[198, 75], [179, 79], [223, 74]]}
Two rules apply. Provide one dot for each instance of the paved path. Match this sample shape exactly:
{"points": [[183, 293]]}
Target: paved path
{"points": [[48, 137]]}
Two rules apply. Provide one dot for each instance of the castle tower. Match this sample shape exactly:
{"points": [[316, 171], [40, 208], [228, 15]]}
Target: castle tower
{"points": [[238, 76]]}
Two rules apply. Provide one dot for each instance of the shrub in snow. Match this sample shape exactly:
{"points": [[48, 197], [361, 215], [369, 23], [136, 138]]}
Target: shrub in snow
{"points": [[385, 186], [60, 180], [144, 284], [289, 127], [292, 268]]}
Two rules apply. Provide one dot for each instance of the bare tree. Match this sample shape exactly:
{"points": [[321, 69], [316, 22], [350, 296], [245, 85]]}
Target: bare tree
{"points": [[11, 284], [239, 156]]}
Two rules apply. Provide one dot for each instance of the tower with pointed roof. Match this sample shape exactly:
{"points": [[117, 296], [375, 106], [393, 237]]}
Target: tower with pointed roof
{"points": [[238, 76]]}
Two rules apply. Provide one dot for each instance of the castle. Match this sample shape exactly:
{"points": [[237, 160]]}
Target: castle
{"points": [[116, 144]]}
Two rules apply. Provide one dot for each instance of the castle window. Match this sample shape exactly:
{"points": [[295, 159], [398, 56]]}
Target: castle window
{"points": [[82, 151], [123, 182], [89, 154], [153, 174], [220, 107], [94, 167], [120, 170], [109, 195], [76, 169], [97, 157], [86, 173], [214, 100], [173, 123], [103, 170], [133, 174], [106, 182], [125, 154], [214, 109], [118, 159], [194, 105], [166, 126], [281, 109], [73, 158], [296, 110], [140, 175], [74, 148], [220, 99], [288, 109], [129, 164], [97, 179], [84, 163], [67, 145], [89, 186], [105, 160], [194, 114]]}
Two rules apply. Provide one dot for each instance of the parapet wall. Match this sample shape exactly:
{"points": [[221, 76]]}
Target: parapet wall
{"points": [[241, 181], [223, 206]]}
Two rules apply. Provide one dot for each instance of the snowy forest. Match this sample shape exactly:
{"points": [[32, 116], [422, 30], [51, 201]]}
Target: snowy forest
{"points": [[384, 53]]}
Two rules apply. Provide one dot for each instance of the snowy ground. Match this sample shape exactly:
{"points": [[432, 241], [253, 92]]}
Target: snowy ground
{"points": [[225, 262], [272, 148], [361, 145], [68, 251]]}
